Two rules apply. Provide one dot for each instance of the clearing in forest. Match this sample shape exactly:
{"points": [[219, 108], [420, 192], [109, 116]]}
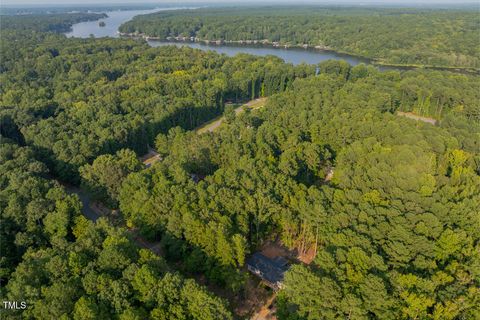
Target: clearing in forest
{"points": [[150, 158], [215, 123], [413, 116]]}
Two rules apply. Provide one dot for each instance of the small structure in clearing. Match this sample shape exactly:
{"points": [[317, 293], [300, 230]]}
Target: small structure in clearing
{"points": [[271, 271]]}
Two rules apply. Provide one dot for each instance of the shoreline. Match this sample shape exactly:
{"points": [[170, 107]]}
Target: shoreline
{"points": [[319, 48]]}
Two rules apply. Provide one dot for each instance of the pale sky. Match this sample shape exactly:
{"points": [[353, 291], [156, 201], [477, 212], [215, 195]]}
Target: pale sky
{"points": [[109, 2]]}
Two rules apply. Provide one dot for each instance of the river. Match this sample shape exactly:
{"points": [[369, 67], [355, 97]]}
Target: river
{"points": [[112, 23], [291, 55]]}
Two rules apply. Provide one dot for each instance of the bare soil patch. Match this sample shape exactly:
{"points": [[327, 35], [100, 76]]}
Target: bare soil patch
{"points": [[274, 249], [150, 158], [413, 116], [215, 123]]}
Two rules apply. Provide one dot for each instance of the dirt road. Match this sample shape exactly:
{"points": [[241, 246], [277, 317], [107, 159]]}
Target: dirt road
{"points": [[93, 210], [93, 213], [413, 116], [215, 123], [87, 210], [150, 158]]}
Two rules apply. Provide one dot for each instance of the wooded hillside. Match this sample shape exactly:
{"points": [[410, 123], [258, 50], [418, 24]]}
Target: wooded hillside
{"points": [[447, 38], [388, 205], [396, 227]]}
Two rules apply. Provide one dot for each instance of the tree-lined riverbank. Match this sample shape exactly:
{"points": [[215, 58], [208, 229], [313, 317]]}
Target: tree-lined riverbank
{"points": [[375, 33]]}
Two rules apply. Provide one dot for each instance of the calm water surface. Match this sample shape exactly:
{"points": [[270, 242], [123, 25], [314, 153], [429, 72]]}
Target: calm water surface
{"points": [[114, 20], [292, 55]]}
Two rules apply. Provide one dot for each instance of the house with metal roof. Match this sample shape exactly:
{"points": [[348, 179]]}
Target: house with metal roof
{"points": [[271, 271]]}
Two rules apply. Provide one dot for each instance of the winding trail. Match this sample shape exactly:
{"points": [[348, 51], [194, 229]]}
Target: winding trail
{"points": [[86, 200], [93, 210]]}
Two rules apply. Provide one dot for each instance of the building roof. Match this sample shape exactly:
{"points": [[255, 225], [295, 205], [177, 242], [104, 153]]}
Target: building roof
{"points": [[270, 270]]}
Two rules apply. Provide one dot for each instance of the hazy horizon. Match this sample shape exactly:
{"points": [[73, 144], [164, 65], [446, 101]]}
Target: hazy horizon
{"points": [[150, 2]]}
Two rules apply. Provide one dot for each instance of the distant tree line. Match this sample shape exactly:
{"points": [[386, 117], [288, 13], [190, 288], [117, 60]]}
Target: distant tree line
{"points": [[446, 38], [57, 22]]}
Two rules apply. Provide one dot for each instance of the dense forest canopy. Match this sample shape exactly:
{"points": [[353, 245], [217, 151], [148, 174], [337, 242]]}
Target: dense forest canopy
{"points": [[77, 99], [389, 205], [67, 267], [447, 38], [46, 23], [397, 227]]}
